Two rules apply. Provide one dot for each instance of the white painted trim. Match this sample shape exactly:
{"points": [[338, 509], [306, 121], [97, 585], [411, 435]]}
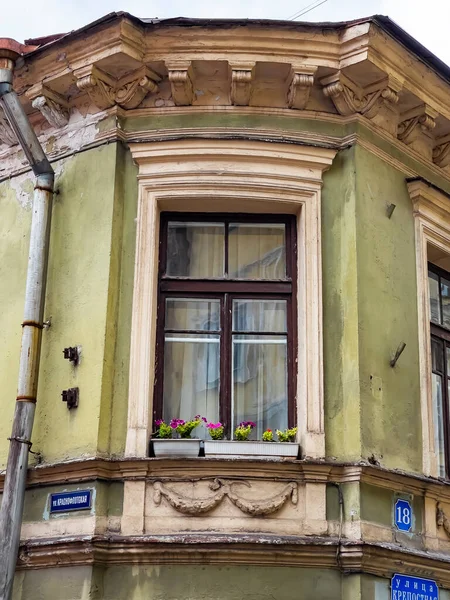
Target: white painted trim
{"points": [[432, 226], [229, 176]]}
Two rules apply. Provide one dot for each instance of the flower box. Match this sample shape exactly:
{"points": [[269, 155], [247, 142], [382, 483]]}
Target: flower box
{"points": [[250, 448], [187, 448]]}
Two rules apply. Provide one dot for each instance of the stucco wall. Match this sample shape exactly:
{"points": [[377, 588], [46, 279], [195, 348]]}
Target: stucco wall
{"points": [[83, 300]]}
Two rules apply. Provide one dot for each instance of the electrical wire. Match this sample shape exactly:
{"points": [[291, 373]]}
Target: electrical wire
{"points": [[306, 9]]}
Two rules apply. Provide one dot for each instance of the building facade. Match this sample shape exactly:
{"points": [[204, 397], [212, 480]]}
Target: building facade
{"points": [[252, 223]]}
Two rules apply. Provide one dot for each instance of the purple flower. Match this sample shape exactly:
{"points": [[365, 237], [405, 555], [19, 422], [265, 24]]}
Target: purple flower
{"points": [[247, 424], [204, 419], [214, 425], [159, 422], [175, 422]]}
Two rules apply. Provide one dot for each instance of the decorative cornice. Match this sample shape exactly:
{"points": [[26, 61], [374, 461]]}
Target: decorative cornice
{"points": [[302, 81], [181, 83], [105, 91], [7, 135], [224, 488], [350, 98], [381, 560]]}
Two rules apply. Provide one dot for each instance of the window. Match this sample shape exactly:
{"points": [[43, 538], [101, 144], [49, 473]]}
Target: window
{"points": [[226, 319], [439, 294]]}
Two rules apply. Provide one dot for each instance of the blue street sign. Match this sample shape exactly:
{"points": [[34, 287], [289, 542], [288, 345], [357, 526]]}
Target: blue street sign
{"points": [[404, 587], [403, 515], [66, 501]]}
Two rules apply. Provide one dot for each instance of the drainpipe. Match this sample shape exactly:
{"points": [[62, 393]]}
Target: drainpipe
{"points": [[20, 440]]}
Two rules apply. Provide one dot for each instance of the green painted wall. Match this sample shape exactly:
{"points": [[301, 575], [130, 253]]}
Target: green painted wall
{"points": [[88, 300]]}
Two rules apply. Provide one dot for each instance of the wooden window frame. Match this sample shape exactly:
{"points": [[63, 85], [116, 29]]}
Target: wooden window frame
{"points": [[227, 290]]}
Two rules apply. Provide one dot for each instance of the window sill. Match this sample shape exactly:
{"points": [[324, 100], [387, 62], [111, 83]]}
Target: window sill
{"points": [[192, 448]]}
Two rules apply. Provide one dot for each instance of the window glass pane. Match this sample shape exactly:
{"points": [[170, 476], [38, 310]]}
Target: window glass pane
{"points": [[437, 358], [259, 315], [445, 299], [435, 301], [191, 376], [192, 313], [195, 250], [257, 251], [259, 382], [438, 418]]}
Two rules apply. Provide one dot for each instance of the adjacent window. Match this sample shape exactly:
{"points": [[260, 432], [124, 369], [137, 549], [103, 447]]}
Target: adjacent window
{"points": [[439, 293], [226, 319]]}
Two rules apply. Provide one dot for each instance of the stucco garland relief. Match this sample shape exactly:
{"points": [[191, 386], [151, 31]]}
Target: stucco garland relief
{"points": [[105, 91], [442, 520], [225, 488]]}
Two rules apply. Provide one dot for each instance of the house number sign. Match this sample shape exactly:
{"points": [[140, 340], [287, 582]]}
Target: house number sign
{"points": [[403, 515], [404, 587]]}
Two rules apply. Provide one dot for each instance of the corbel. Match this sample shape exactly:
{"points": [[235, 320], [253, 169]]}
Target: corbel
{"points": [[302, 81], [134, 87], [7, 135], [100, 87], [416, 127], [349, 98], [181, 83], [53, 106], [441, 151], [241, 83]]}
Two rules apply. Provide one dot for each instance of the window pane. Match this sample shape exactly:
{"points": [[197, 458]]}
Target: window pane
{"points": [[257, 251], [445, 299], [438, 418], [259, 315], [191, 376], [435, 301], [437, 355], [195, 250], [192, 313], [259, 382]]}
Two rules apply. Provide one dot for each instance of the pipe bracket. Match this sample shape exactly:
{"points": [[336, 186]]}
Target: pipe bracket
{"points": [[20, 440], [32, 324], [31, 399]]}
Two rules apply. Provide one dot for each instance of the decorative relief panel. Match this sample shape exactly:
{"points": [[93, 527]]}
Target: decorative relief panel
{"points": [[416, 129], [53, 107], [441, 151], [222, 488], [7, 135]]}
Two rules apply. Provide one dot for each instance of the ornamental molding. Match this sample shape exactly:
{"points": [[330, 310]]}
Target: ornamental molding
{"points": [[442, 520], [302, 81], [180, 77], [53, 107], [441, 151], [225, 488], [349, 98], [381, 560], [241, 83], [7, 135], [105, 91], [416, 129]]}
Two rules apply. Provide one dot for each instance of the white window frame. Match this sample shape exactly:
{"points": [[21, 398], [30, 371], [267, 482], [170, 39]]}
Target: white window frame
{"points": [[204, 175]]}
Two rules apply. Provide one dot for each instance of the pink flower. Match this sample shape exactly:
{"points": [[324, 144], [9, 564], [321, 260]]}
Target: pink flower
{"points": [[159, 422]]}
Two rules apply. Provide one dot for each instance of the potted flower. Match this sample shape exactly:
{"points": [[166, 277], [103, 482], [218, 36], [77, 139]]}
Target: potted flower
{"points": [[174, 438], [242, 446]]}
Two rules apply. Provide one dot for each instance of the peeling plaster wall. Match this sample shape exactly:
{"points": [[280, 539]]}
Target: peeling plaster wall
{"points": [[78, 301]]}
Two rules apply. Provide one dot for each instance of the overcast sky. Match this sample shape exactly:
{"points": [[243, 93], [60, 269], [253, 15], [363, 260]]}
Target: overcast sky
{"points": [[427, 21]]}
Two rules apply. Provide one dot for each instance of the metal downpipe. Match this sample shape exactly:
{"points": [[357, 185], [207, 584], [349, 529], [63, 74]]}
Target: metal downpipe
{"points": [[20, 441]]}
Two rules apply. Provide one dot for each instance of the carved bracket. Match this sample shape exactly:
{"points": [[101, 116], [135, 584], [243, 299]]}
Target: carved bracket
{"points": [[241, 84], [181, 83], [300, 87], [417, 122], [441, 152], [53, 106], [222, 488], [7, 135], [128, 91], [442, 519], [350, 99]]}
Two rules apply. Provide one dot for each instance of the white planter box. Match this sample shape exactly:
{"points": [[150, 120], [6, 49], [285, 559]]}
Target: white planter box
{"points": [[253, 449], [187, 448]]}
